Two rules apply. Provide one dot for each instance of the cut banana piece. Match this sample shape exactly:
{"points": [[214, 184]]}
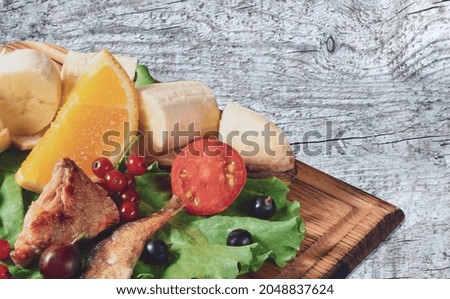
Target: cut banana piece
{"points": [[5, 137], [173, 114], [261, 143], [30, 91], [26, 143], [75, 63]]}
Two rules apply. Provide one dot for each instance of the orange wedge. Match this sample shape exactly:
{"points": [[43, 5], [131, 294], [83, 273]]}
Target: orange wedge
{"points": [[96, 120]]}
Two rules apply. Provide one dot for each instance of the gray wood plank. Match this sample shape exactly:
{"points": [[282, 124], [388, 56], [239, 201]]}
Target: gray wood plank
{"points": [[377, 69]]}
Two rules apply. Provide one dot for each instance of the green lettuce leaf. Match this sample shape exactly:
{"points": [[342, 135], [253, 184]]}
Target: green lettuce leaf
{"points": [[14, 201], [11, 159], [198, 244], [31, 273], [143, 77], [12, 209]]}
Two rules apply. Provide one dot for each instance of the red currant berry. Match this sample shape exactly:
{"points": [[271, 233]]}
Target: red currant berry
{"points": [[136, 165], [5, 249], [131, 182], [115, 181], [101, 166], [4, 272], [131, 196], [128, 212]]}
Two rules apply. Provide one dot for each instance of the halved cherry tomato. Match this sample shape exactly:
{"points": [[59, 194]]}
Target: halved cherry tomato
{"points": [[208, 175]]}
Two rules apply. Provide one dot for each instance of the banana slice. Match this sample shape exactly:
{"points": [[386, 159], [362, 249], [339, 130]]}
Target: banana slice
{"points": [[26, 143], [5, 137], [30, 91], [261, 143], [75, 63], [173, 114]]}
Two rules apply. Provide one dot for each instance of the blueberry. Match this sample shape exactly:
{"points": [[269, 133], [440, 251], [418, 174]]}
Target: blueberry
{"points": [[239, 237], [263, 207]]}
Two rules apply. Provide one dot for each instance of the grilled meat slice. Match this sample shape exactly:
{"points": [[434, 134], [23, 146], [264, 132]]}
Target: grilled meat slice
{"points": [[70, 205], [116, 256]]}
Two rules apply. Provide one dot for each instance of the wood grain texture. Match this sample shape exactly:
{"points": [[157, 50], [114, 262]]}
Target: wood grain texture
{"points": [[377, 69]]}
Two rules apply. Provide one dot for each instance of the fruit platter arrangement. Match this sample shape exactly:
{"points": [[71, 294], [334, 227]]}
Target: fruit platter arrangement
{"points": [[105, 172]]}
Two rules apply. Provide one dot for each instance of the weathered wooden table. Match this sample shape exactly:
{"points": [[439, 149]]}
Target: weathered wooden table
{"points": [[360, 87]]}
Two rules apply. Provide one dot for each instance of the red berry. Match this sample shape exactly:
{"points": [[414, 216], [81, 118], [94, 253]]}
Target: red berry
{"points": [[131, 182], [129, 212], [5, 249], [130, 195], [4, 272], [136, 165], [60, 261], [101, 166], [115, 181]]}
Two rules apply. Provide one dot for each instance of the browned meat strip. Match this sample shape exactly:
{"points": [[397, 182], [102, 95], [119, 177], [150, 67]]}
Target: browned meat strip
{"points": [[70, 205], [116, 256]]}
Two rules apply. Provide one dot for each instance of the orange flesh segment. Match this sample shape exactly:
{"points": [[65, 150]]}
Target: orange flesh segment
{"points": [[103, 100]]}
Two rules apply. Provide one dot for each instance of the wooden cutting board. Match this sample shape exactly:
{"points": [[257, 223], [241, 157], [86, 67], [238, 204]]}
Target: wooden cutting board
{"points": [[343, 223]]}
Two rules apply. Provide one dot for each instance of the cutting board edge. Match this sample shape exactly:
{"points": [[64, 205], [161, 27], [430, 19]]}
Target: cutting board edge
{"points": [[386, 205], [373, 239]]}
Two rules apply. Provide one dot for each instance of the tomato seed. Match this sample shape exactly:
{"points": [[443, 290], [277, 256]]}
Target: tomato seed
{"points": [[188, 194], [231, 167], [231, 180], [196, 201]]}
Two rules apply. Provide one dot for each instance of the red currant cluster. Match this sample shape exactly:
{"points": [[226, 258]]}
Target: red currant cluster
{"points": [[121, 186], [5, 250]]}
